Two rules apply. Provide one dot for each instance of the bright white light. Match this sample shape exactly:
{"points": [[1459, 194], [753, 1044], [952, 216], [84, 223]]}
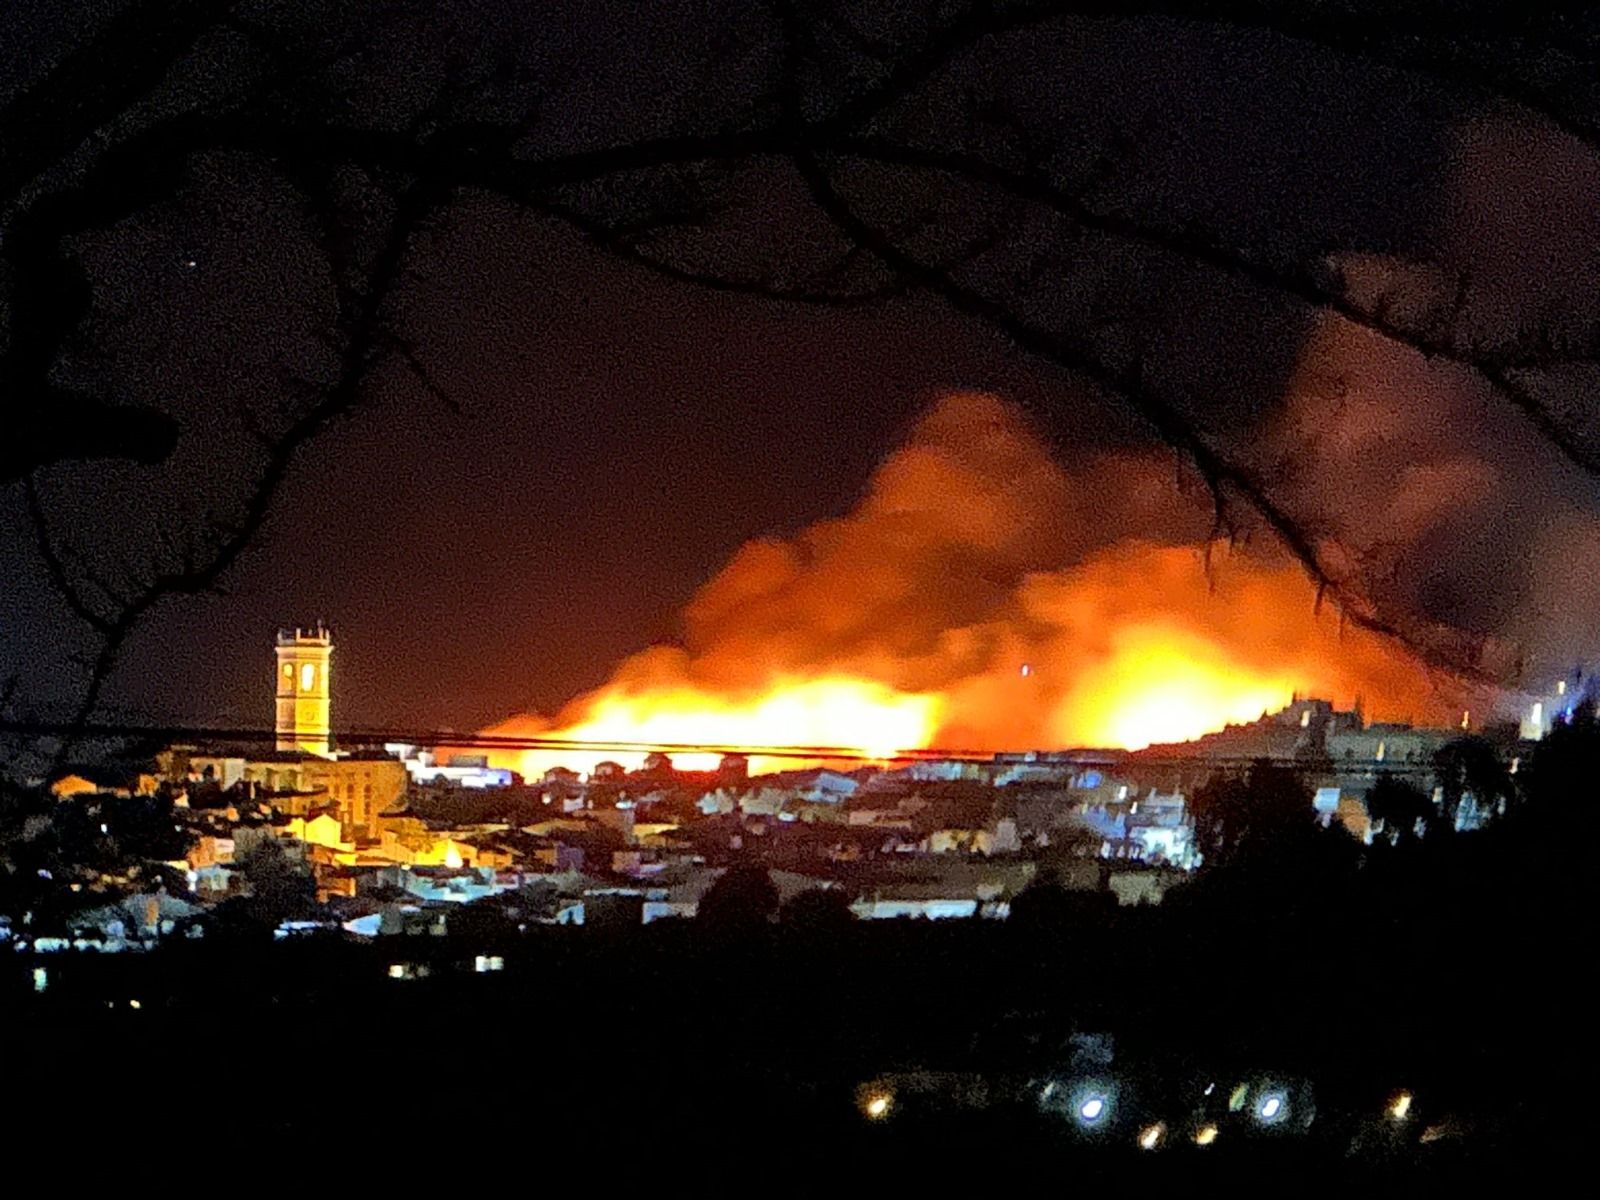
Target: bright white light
{"points": [[397, 970], [1092, 1109], [1205, 1135], [877, 1106], [1027, 669], [1271, 1108], [1150, 1136], [1210, 1087], [134, 1004], [1400, 1106], [41, 979]]}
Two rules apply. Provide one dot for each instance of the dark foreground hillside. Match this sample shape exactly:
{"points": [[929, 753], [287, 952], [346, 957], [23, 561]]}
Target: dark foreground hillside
{"points": [[679, 1052]]}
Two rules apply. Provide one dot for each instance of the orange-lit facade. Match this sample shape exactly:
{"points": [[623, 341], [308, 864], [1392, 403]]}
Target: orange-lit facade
{"points": [[304, 659]]}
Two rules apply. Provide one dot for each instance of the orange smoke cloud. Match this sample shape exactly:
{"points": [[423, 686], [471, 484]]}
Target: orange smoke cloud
{"points": [[982, 597]]}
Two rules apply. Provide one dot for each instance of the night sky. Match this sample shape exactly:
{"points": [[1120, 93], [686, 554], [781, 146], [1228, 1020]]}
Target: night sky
{"points": [[621, 435]]}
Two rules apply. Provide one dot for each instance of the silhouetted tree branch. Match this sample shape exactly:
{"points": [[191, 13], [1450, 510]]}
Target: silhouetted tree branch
{"points": [[211, 554], [100, 136]]}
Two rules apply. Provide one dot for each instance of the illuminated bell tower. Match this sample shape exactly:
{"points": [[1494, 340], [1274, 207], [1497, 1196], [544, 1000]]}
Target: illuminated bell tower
{"points": [[303, 717]]}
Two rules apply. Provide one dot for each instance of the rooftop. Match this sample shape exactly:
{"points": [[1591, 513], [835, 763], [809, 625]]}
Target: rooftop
{"points": [[318, 635]]}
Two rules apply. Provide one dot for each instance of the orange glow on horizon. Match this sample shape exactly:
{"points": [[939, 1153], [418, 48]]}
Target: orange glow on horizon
{"points": [[979, 597], [1165, 685], [1158, 685], [857, 714]]}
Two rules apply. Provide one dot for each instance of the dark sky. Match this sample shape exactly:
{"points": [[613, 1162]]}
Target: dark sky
{"points": [[619, 438], [621, 435]]}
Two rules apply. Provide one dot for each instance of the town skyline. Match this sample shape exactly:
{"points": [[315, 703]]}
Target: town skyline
{"points": [[877, 589]]}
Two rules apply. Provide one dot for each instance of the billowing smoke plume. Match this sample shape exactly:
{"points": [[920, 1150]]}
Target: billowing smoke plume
{"points": [[1459, 515], [982, 596]]}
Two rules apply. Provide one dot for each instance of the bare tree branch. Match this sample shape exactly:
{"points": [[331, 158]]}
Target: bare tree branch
{"points": [[424, 376], [232, 539], [111, 72], [1498, 369], [63, 583], [1225, 478], [846, 117], [623, 246]]}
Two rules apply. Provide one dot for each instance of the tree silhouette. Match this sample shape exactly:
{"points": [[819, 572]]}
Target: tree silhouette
{"points": [[1560, 773], [742, 902], [1268, 810], [818, 912], [1470, 766], [1047, 909], [892, 156], [58, 856], [1043, 904], [1398, 806], [280, 888]]}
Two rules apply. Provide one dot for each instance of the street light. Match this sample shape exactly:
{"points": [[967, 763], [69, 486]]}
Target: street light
{"points": [[1271, 1107]]}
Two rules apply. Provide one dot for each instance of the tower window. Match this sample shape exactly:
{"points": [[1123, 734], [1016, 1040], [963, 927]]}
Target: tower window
{"points": [[308, 676], [288, 669]]}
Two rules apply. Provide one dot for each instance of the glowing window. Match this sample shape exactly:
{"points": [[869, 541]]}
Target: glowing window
{"points": [[1381, 748], [308, 676], [288, 669]]}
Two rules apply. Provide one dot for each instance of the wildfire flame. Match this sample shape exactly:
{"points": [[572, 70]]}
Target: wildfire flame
{"points": [[1164, 685], [979, 598], [840, 713]]}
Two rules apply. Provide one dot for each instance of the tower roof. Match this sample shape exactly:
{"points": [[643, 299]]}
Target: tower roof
{"points": [[317, 635]]}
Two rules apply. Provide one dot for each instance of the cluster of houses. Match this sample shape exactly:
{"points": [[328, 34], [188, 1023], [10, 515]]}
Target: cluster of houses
{"points": [[393, 846], [395, 841]]}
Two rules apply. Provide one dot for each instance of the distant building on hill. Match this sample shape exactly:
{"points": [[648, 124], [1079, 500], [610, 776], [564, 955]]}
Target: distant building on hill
{"points": [[304, 700], [303, 772]]}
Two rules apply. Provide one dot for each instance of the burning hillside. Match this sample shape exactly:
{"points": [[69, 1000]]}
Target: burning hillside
{"points": [[981, 597]]}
